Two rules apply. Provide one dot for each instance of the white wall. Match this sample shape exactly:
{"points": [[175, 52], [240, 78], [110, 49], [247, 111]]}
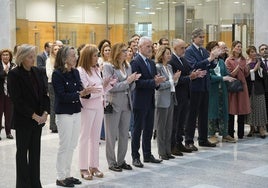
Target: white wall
{"points": [[260, 22], [8, 26]]}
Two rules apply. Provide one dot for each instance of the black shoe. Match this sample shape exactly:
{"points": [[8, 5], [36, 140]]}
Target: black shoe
{"points": [[207, 144], [151, 159], [182, 148], [171, 156], [125, 166], [75, 181], [64, 183], [54, 131], [115, 168], [137, 163], [191, 147], [0, 138], [9, 136], [176, 152], [164, 157]]}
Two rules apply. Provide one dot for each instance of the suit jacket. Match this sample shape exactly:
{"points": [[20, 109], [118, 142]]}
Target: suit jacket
{"points": [[3, 75], [96, 99], [143, 95], [120, 89], [26, 100], [163, 94], [183, 86], [66, 86], [198, 61], [41, 60]]}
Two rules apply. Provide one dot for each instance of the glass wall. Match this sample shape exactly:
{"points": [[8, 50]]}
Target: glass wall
{"points": [[90, 21]]}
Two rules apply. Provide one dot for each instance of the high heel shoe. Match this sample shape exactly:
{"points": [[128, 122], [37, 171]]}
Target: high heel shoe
{"points": [[251, 132], [85, 174], [96, 172]]}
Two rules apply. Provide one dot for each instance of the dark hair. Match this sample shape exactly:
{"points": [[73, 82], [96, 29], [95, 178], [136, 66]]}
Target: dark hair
{"points": [[61, 57], [102, 42], [162, 40], [46, 45], [211, 45]]}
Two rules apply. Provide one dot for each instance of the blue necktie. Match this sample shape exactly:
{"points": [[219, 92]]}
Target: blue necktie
{"points": [[200, 50], [148, 65]]}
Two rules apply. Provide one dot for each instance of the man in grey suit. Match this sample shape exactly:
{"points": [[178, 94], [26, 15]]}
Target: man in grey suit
{"points": [[41, 58]]}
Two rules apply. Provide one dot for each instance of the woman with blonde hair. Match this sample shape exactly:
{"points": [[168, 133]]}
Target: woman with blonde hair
{"points": [[92, 112], [117, 123]]}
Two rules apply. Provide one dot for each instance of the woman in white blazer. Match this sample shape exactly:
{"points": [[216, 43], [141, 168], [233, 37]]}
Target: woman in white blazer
{"points": [[165, 99]]}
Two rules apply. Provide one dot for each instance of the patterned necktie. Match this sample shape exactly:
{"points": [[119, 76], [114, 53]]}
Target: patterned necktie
{"points": [[148, 65], [200, 50]]}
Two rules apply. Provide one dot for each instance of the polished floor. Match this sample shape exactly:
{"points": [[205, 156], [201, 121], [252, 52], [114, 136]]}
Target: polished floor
{"points": [[240, 165]]}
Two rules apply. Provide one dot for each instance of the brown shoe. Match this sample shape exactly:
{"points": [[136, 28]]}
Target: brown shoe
{"points": [[176, 152], [262, 132], [191, 147], [85, 174], [96, 172]]}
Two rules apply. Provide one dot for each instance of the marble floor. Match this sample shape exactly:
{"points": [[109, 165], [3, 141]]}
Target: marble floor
{"points": [[240, 165]]}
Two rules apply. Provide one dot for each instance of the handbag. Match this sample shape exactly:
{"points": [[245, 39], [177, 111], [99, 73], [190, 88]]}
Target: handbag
{"points": [[235, 86], [108, 109]]}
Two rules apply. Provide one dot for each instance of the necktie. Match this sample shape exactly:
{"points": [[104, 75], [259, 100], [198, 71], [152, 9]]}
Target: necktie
{"points": [[265, 62], [180, 61], [148, 65], [200, 50]]}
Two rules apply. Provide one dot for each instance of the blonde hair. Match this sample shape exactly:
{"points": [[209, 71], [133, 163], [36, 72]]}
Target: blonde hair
{"points": [[23, 51], [115, 54], [86, 55], [160, 53]]}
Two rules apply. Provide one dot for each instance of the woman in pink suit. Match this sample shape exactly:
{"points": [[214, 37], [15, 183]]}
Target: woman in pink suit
{"points": [[92, 113]]}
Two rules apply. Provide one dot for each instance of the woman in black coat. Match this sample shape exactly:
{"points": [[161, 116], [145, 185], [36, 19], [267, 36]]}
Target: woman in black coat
{"points": [[31, 105]]}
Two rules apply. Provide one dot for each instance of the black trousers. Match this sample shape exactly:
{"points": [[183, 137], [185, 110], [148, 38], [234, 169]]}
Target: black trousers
{"points": [[180, 116], [240, 125], [198, 109], [143, 125], [28, 156]]}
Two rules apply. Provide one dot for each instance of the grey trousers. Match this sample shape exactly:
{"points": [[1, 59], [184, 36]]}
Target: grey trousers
{"points": [[164, 122], [116, 127]]}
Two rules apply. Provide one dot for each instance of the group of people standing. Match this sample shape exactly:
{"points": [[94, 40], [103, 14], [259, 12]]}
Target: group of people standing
{"points": [[172, 89]]}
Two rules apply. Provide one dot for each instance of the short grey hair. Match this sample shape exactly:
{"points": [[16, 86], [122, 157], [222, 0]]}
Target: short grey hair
{"points": [[197, 32], [143, 40], [23, 51]]}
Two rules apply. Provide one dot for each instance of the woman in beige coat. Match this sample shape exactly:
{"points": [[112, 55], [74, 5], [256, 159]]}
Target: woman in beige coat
{"points": [[238, 102]]}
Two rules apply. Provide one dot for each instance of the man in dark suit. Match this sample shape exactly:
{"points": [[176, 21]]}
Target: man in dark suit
{"points": [[41, 60], [199, 58], [143, 102], [178, 62]]}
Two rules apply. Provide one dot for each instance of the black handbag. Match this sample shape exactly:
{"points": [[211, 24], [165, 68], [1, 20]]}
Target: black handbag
{"points": [[235, 86], [108, 109]]}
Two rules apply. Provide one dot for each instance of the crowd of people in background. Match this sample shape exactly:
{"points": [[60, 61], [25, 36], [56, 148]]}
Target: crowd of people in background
{"points": [[163, 90]]}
